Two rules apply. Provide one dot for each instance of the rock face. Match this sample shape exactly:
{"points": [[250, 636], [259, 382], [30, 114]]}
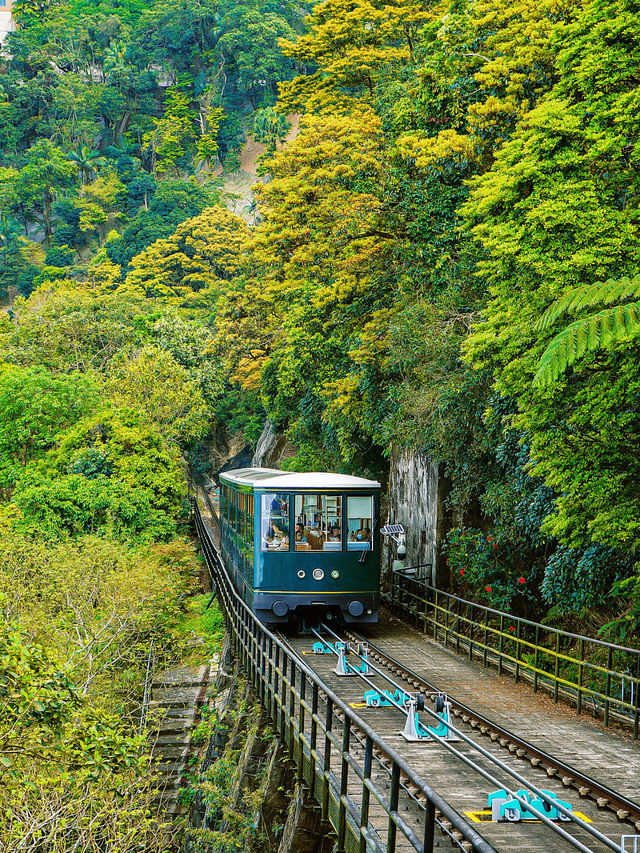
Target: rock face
{"points": [[272, 448], [413, 502]]}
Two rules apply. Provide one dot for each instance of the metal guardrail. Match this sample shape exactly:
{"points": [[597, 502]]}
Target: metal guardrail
{"points": [[581, 669], [348, 768]]}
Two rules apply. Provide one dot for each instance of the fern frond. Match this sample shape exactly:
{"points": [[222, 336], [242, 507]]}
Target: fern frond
{"points": [[599, 331], [588, 296]]}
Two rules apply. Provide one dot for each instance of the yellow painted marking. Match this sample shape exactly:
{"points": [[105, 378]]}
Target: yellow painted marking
{"points": [[484, 816], [478, 817], [357, 704]]}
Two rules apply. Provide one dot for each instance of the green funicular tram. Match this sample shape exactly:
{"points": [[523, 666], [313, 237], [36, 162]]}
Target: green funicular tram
{"points": [[302, 546]]}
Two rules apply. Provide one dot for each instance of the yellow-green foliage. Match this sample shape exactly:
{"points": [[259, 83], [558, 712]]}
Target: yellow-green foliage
{"points": [[200, 253]]}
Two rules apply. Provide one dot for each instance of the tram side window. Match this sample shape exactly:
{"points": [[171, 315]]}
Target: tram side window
{"points": [[250, 521], [359, 523], [233, 504], [318, 522], [224, 501], [242, 499], [274, 531]]}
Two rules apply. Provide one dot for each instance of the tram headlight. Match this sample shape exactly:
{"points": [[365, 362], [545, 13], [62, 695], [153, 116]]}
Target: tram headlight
{"points": [[318, 574], [335, 574], [302, 574]]}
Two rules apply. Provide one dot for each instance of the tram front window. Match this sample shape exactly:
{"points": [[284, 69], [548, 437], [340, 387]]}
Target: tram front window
{"points": [[318, 522], [275, 522], [359, 523]]}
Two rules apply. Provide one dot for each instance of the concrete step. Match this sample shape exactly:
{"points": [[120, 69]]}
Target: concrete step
{"points": [[175, 725], [176, 697], [172, 769], [177, 739], [183, 676], [173, 751]]}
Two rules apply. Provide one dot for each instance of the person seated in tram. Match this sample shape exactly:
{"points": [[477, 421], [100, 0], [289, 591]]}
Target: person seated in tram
{"points": [[280, 537], [334, 533]]}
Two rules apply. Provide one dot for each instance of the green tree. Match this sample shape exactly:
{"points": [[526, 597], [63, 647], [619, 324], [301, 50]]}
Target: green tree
{"points": [[46, 173], [111, 474], [87, 161], [35, 406], [559, 211]]}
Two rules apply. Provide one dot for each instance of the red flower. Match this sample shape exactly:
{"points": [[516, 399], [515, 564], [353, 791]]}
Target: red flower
{"points": [[488, 588], [494, 545], [462, 571], [488, 539], [511, 628], [521, 580], [447, 561]]}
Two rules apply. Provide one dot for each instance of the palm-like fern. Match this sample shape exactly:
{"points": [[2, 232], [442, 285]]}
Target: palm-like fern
{"points": [[618, 322]]}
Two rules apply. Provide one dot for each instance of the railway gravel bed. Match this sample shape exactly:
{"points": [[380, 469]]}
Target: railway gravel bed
{"points": [[461, 785]]}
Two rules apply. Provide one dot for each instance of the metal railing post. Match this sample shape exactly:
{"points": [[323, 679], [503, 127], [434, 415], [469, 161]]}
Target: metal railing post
{"points": [[435, 618], [327, 759], [636, 712], [607, 699], [364, 808], [393, 808], [580, 676], [429, 827], [344, 780], [556, 668], [314, 739]]}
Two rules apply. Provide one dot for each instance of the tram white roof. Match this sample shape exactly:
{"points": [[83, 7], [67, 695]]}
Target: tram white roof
{"points": [[272, 478]]}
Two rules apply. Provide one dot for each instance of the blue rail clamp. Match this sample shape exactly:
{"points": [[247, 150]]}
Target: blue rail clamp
{"points": [[382, 698], [415, 731], [505, 808], [320, 648], [363, 667]]}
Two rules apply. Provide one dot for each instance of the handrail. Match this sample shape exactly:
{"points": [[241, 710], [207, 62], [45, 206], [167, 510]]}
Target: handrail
{"points": [[515, 644], [284, 682]]}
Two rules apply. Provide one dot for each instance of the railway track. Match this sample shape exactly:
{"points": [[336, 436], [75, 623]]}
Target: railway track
{"points": [[487, 756], [381, 773], [625, 809], [607, 816]]}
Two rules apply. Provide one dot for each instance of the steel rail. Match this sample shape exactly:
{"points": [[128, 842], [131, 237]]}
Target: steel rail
{"points": [[597, 790], [252, 637], [595, 833]]}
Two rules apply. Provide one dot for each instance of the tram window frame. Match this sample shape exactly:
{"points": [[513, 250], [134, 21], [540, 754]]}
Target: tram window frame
{"points": [[268, 515], [317, 506], [234, 510], [359, 517]]}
